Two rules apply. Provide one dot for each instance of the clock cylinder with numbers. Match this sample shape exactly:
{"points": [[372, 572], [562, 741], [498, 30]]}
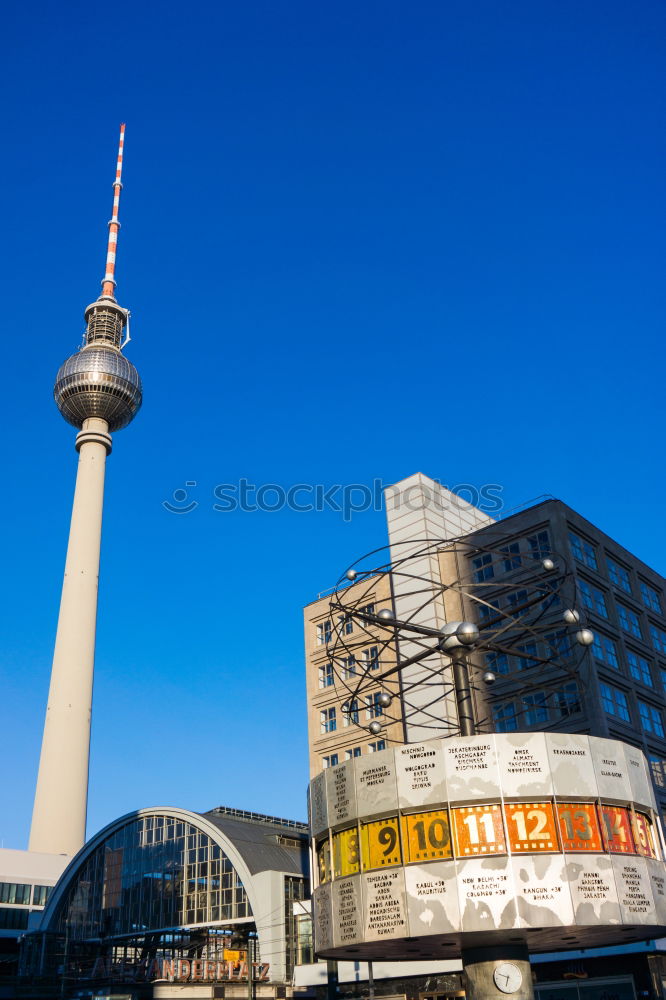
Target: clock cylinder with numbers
{"points": [[426, 850]]}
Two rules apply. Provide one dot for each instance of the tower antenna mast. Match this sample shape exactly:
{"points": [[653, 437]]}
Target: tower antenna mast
{"points": [[109, 281]]}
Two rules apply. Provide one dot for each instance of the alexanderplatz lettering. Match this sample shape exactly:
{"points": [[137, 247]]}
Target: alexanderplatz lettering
{"points": [[179, 970]]}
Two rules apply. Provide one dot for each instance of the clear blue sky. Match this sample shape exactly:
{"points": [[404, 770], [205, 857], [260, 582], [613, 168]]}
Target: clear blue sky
{"points": [[359, 239]]}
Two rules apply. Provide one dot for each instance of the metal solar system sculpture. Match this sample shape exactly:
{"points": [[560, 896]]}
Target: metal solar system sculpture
{"points": [[500, 610], [459, 833]]}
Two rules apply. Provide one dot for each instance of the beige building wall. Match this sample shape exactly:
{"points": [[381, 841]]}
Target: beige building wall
{"points": [[420, 511], [330, 685]]}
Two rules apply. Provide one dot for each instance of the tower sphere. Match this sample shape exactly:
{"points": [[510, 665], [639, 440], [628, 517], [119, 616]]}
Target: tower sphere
{"points": [[99, 381]]}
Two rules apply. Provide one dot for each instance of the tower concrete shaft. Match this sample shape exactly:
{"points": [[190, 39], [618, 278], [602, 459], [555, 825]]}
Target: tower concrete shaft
{"points": [[59, 813]]}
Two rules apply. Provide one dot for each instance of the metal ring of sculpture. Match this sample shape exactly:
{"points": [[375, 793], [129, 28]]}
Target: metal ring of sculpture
{"points": [[527, 612]]}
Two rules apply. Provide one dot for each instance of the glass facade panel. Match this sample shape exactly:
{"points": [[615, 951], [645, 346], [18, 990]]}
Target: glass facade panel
{"points": [[150, 876], [539, 544], [566, 700], [14, 920], [40, 894], [605, 650], [658, 637], [497, 662], [593, 598], [512, 558], [371, 658], [619, 575], [651, 719], [535, 708], [504, 717], [583, 552], [483, 568], [326, 677], [651, 599], [14, 892], [629, 621], [615, 702], [639, 668]]}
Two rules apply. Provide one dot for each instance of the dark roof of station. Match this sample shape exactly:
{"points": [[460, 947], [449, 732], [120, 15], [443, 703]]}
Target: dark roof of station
{"points": [[265, 843]]}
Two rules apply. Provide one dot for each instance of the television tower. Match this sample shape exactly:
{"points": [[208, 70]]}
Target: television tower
{"points": [[99, 391]]}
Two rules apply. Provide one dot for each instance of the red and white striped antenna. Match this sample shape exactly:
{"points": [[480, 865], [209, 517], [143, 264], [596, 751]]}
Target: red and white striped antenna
{"points": [[109, 282]]}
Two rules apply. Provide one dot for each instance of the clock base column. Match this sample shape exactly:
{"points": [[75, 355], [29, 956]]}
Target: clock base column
{"points": [[497, 973]]}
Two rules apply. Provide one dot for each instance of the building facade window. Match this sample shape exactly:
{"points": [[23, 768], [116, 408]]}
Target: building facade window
{"points": [[298, 940], [483, 567], [593, 598], [376, 746], [618, 575], [13, 920], [374, 709], [535, 708], [605, 650], [345, 624], [350, 712], [348, 664], [614, 702], [323, 633], [566, 700], [328, 720], [504, 717], [40, 894], [15, 892], [498, 663], [651, 719], [326, 675], [658, 637], [517, 601], [658, 770], [352, 752], [512, 558], [528, 659], [539, 544], [330, 761], [559, 644], [551, 599], [629, 621], [367, 609], [639, 668], [651, 599], [371, 658], [488, 611], [583, 552]]}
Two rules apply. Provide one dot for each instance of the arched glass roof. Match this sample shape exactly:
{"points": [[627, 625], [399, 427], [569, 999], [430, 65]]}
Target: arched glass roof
{"points": [[152, 872]]}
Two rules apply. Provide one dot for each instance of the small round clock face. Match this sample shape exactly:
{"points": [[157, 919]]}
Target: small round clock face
{"points": [[508, 977]]}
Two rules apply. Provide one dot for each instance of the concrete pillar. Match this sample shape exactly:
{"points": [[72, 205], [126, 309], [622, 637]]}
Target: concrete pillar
{"points": [[59, 813], [501, 972]]}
